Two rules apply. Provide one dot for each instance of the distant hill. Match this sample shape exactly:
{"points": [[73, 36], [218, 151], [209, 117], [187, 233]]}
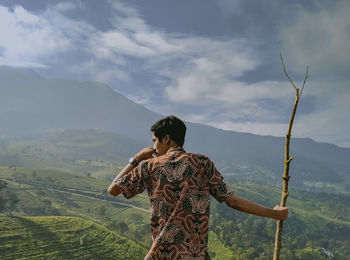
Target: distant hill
{"points": [[33, 105], [62, 238], [261, 157], [70, 150]]}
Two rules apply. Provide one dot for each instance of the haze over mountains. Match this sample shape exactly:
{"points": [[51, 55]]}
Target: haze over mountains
{"points": [[31, 105]]}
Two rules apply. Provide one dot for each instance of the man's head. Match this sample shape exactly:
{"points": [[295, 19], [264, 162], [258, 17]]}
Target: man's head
{"points": [[169, 129]]}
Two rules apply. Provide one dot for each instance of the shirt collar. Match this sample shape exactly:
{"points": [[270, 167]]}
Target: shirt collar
{"points": [[175, 149]]}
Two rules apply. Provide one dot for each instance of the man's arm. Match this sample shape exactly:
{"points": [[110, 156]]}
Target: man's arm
{"points": [[113, 189], [247, 206], [144, 154]]}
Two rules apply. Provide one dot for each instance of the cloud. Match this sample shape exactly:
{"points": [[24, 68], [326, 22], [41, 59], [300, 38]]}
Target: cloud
{"points": [[201, 79], [200, 71], [142, 100], [65, 6], [274, 129], [200, 87], [320, 39], [101, 73], [229, 7], [116, 43], [213, 79], [329, 121], [28, 38], [131, 36]]}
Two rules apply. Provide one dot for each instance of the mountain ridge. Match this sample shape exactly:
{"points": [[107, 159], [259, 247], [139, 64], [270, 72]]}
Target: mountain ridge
{"points": [[31, 104]]}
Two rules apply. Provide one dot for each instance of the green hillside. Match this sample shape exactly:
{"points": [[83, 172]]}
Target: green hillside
{"points": [[34, 105], [44, 192], [50, 192], [62, 238], [317, 167], [318, 226], [78, 151], [319, 223], [58, 182]]}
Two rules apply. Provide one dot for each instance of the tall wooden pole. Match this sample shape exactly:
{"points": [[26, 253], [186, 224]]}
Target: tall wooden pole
{"points": [[287, 160]]}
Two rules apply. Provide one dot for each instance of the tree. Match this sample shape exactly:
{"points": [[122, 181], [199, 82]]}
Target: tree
{"points": [[3, 185], [12, 202], [101, 210], [8, 200], [123, 227]]}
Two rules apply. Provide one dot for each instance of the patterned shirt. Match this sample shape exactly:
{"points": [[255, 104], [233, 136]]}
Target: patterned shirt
{"points": [[178, 186]]}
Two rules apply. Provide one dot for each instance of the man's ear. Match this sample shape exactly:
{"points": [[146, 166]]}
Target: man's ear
{"points": [[166, 139]]}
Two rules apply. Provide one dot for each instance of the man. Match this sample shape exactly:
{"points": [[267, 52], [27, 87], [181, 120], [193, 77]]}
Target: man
{"points": [[178, 186]]}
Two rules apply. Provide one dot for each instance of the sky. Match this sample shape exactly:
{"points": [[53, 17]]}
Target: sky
{"points": [[215, 62]]}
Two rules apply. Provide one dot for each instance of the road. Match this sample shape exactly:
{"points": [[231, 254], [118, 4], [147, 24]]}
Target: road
{"points": [[112, 202], [78, 193]]}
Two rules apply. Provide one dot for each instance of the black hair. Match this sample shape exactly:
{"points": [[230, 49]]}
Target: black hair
{"points": [[171, 126]]}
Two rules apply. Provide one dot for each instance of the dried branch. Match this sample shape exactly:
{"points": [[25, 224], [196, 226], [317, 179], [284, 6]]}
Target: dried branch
{"points": [[285, 72], [287, 160], [306, 77]]}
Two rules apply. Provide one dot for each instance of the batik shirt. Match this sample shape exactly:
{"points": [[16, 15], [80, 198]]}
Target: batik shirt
{"points": [[178, 186]]}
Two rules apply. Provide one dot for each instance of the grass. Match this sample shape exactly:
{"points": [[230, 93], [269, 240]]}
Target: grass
{"points": [[62, 238], [38, 196], [37, 192], [45, 178], [78, 151]]}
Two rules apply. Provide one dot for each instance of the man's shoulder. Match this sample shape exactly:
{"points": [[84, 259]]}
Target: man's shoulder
{"points": [[164, 158], [197, 157]]}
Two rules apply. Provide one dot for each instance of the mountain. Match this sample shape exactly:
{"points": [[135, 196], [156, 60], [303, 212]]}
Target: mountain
{"points": [[250, 154], [80, 144], [92, 152], [33, 105]]}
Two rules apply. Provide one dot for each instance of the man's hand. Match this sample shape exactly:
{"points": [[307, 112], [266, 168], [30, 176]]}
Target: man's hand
{"points": [[247, 206], [281, 212], [144, 154]]}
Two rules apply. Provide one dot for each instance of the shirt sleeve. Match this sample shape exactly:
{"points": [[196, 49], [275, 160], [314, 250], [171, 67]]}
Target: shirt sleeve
{"points": [[217, 186], [135, 181]]}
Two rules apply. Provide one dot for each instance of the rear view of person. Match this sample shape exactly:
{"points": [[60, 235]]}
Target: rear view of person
{"points": [[179, 185]]}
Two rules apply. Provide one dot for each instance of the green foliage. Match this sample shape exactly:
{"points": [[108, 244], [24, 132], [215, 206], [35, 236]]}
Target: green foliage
{"points": [[101, 210], [59, 193], [319, 223], [78, 151], [313, 230], [318, 167], [8, 200], [3, 184], [217, 249], [62, 238]]}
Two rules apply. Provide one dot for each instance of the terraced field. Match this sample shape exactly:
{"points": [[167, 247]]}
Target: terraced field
{"points": [[318, 226], [62, 238]]}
